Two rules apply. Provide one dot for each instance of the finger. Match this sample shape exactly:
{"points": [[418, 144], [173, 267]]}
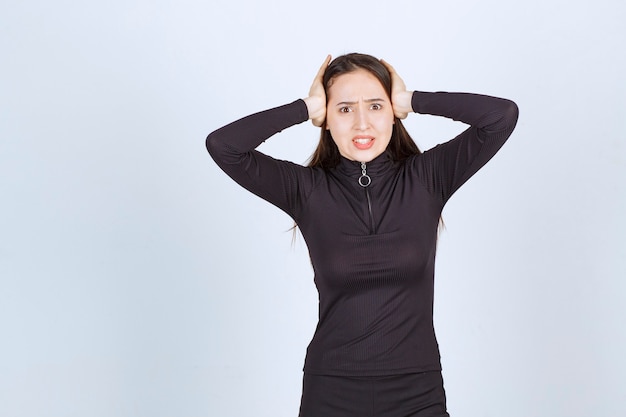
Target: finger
{"points": [[389, 67], [320, 73]]}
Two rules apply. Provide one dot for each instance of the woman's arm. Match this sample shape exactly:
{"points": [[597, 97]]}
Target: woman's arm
{"points": [[448, 166], [233, 148], [492, 116]]}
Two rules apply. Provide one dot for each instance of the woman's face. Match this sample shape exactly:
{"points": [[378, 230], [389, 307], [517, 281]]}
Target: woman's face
{"points": [[359, 115]]}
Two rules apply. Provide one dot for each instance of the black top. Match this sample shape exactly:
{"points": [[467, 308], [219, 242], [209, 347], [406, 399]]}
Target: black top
{"points": [[372, 248]]}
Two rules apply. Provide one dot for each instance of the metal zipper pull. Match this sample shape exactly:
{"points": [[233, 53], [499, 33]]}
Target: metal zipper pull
{"points": [[364, 179]]}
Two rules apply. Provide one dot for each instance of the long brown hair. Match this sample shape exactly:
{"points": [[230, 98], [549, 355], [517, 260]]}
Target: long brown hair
{"points": [[401, 146]]}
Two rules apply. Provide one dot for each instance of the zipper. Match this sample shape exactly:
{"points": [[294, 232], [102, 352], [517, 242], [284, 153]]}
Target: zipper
{"points": [[365, 181]]}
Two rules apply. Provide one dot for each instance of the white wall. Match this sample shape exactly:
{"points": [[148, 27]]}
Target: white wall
{"points": [[138, 280]]}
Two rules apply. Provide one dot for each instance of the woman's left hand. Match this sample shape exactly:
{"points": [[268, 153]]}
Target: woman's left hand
{"points": [[400, 97]]}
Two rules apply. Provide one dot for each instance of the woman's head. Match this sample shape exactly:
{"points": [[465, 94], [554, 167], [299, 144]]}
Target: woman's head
{"points": [[360, 124]]}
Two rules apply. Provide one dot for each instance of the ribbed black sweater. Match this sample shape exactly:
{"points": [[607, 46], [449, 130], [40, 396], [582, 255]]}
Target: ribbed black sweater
{"points": [[372, 248]]}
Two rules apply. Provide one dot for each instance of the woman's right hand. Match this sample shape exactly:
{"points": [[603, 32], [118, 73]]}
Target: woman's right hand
{"points": [[316, 101]]}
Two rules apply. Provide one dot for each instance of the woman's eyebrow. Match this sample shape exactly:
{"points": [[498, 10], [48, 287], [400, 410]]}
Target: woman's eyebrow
{"points": [[369, 100]]}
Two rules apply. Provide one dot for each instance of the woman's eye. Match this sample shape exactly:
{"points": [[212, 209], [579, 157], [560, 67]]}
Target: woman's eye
{"points": [[344, 110], [376, 106]]}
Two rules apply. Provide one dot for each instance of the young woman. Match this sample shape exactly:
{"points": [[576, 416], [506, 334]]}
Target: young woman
{"points": [[368, 206]]}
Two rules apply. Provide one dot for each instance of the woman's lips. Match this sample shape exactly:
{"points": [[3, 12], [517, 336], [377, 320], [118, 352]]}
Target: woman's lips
{"points": [[363, 142]]}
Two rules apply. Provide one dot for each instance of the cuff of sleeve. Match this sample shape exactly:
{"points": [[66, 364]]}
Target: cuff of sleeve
{"points": [[303, 111], [420, 100]]}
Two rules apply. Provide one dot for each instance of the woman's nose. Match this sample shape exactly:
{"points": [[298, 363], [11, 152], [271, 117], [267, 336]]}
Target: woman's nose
{"points": [[362, 119]]}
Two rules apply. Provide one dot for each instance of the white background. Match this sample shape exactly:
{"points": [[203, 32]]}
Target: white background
{"points": [[136, 279]]}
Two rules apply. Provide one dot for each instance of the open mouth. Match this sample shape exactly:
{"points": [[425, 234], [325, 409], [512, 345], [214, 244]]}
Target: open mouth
{"points": [[363, 142]]}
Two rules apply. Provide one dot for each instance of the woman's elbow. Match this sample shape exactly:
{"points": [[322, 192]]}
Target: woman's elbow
{"points": [[511, 112], [213, 143]]}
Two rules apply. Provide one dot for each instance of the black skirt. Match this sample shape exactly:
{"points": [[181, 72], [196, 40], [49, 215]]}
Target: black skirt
{"points": [[409, 395]]}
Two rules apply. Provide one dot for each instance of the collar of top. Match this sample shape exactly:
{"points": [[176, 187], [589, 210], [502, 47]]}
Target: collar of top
{"points": [[375, 168]]}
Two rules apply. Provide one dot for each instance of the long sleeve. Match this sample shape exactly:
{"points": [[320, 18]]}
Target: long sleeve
{"points": [[233, 149], [449, 165]]}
